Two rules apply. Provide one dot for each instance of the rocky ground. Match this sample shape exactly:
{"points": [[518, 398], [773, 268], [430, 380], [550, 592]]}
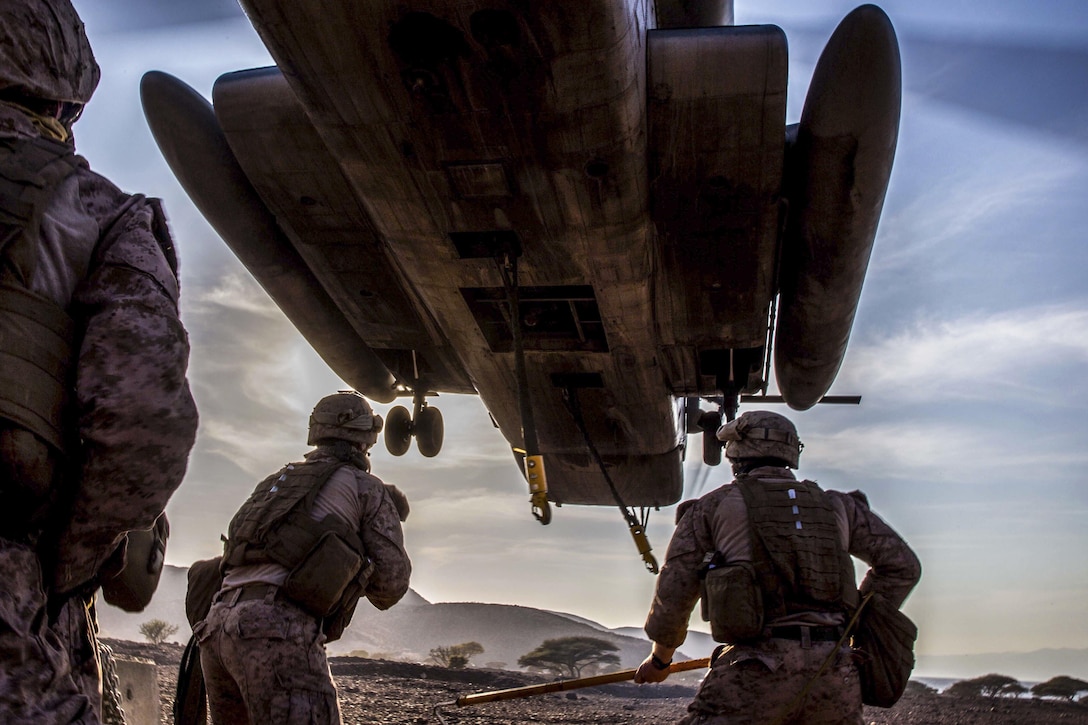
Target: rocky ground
{"points": [[397, 693]]}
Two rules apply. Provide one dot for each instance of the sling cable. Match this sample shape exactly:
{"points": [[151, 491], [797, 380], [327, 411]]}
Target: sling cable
{"points": [[636, 525], [534, 461]]}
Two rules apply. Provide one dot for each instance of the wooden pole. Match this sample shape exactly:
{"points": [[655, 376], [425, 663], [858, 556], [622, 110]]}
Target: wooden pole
{"points": [[515, 693]]}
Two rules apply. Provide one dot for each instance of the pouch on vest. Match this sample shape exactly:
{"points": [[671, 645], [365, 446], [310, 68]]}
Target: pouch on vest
{"points": [[333, 626], [133, 588], [732, 603], [884, 648], [319, 581], [205, 579]]}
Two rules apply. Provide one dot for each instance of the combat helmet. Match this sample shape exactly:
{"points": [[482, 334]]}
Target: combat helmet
{"points": [[761, 434], [44, 52], [345, 416]]}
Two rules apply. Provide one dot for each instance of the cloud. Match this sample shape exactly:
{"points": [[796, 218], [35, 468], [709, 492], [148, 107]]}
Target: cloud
{"points": [[1011, 355], [953, 194], [253, 376], [236, 291]]}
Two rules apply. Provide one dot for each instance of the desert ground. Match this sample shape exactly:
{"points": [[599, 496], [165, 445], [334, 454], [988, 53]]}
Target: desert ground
{"points": [[378, 692]]}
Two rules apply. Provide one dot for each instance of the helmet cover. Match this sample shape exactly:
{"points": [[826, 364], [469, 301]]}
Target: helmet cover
{"points": [[761, 434], [44, 51], [346, 416]]}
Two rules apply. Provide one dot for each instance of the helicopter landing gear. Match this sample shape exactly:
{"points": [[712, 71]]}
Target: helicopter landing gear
{"points": [[398, 430], [429, 431], [424, 424], [708, 421]]}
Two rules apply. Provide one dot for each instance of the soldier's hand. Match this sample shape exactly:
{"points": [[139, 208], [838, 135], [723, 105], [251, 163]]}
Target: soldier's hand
{"points": [[399, 500], [650, 672]]}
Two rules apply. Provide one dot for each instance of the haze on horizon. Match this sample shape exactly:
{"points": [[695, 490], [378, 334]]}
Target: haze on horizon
{"points": [[969, 348]]}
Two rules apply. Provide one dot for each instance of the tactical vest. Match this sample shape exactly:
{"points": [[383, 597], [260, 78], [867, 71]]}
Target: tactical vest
{"points": [[797, 553], [275, 525], [36, 335], [36, 341]]}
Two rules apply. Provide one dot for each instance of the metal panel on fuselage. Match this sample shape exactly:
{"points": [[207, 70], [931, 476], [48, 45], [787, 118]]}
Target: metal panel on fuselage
{"points": [[406, 96], [717, 113], [300, 182]]}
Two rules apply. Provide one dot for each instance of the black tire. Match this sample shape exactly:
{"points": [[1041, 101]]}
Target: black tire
{"points": [[429, 431], [398, 430]]}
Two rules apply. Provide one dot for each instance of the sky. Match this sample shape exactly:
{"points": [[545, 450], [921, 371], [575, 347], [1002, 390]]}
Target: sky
{"points": [[969, 348]]}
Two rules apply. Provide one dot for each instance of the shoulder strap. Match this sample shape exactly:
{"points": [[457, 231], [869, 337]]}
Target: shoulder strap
{"points": [[770, 583], [190, 697]]}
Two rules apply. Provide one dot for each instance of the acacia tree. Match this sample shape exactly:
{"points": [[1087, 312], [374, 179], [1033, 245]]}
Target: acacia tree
{"points": [[157, 631], [992, 685], [920, 688], [1061, 686], [455, 656], [570, 655]]}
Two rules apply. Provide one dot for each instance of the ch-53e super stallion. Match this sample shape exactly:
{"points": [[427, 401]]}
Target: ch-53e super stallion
{"points": [[591, 213]]}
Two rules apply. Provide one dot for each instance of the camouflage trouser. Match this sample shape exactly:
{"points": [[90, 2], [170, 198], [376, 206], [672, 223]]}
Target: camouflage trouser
{"points": [[38, 681], [264, 662], [763, 684]]}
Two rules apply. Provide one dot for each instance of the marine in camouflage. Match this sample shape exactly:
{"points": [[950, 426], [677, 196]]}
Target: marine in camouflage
{"points": [[762, 684], [264, 662], [105, 259], [262, 653], [776, 677], [37, 681]]}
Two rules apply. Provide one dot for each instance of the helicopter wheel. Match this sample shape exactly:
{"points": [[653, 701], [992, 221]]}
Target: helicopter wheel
{"points": [[398, 430], [429, 431]]}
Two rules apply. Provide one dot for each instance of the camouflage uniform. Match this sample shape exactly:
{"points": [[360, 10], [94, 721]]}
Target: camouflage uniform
{"points": [[104, 259], [263, 656], [783, 587], [775, 677]]}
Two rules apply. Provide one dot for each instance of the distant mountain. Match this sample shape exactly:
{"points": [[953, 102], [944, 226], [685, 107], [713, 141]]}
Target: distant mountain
{"points": [[698, 644], [506, 631], [1037, 666], [415, 626], [410, 629]]}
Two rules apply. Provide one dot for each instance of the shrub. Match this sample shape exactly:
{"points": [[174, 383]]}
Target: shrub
{"points": [[1062, 686], [455, 656], [570, 655], [157, 631], [992, 685]]}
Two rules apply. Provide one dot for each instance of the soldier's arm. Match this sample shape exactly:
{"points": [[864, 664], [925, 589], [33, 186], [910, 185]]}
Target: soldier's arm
{"points": [[383, 538], [136, 416], [677, 588], [894, 567]]}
